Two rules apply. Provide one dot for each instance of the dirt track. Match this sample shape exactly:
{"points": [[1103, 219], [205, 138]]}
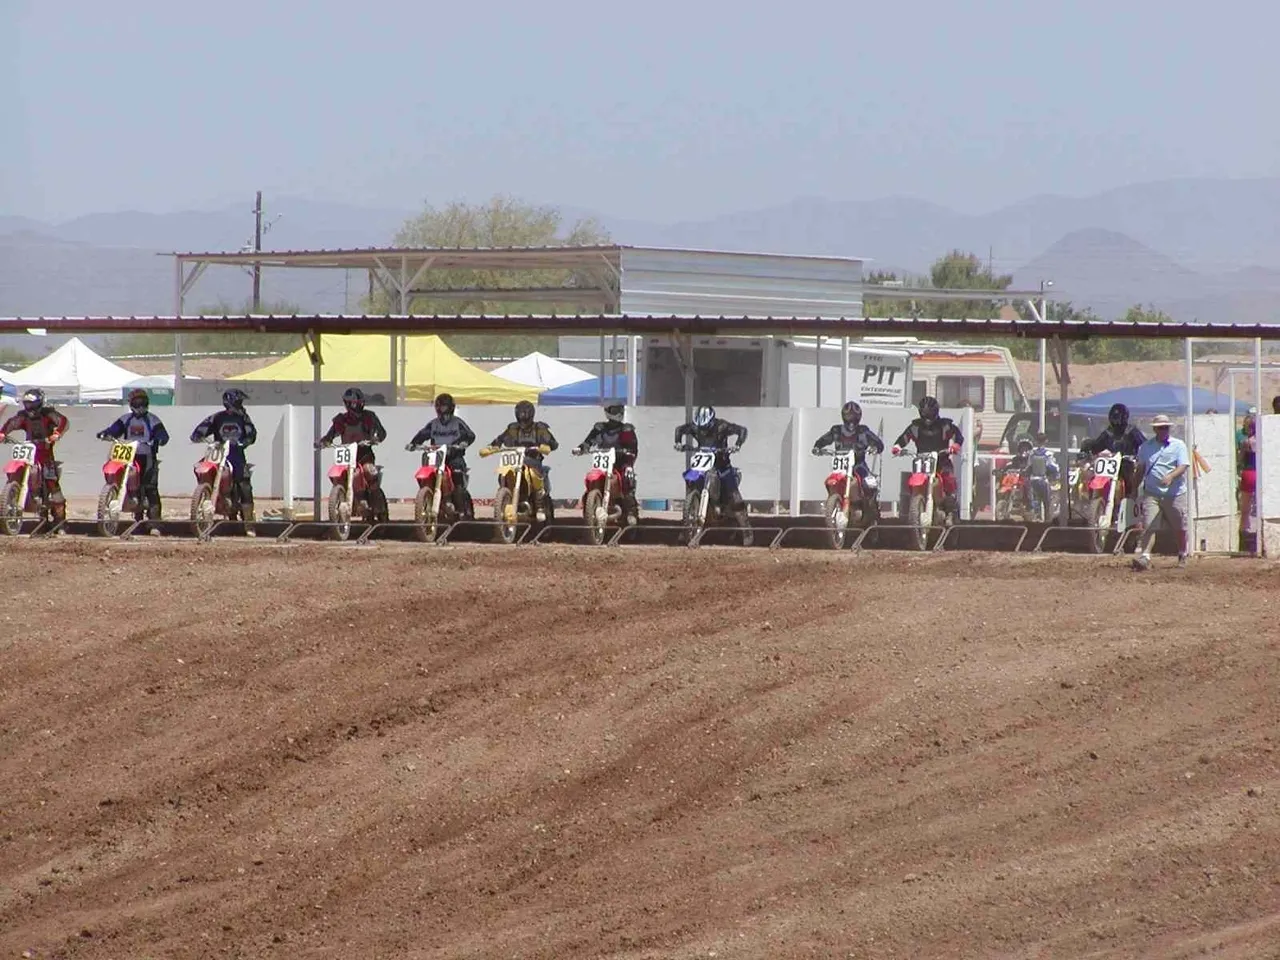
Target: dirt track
{"points": [[561, 753]]}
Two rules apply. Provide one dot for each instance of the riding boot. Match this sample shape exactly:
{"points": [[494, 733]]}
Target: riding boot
{"points": [[246, 514]]}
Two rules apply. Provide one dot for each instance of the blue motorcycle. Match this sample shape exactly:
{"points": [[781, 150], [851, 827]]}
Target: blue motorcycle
{"points": [[704, 504]]}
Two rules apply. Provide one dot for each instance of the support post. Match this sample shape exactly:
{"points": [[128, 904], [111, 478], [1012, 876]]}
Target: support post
{"points": [[817, 371], [844, 370], [394, 371], [316, 423], [257, 248], [1044, 380], [1233, 524], [1064, 437], [632, 373], [177, 337], [1189, 408], [1260, 548], [600, 378]]}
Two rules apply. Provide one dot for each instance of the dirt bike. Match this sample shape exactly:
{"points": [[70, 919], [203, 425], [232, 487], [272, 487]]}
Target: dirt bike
{"points": [[602, 498], [851, 498], [1012, 496], [925, 491], [434, 503], [521, 490], [1106, 490], [23, 494], [121, 488], [216, 491], [347, 496], [702, 499]]}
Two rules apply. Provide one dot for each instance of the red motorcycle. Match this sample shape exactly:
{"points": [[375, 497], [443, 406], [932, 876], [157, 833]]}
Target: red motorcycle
{"points": [[216, 491], [354, 490], [121, 483], [851, 498], [1011, 495], [1107, 492], [29, 477], [602, 499], [434, 502]]}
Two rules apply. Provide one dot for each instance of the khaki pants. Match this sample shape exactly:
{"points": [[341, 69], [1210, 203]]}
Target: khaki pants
{"points": [[1164, 512]]}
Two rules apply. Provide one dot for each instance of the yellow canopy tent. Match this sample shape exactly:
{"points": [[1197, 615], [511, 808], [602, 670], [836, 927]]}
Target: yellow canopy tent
{"points": [[430, 367]]}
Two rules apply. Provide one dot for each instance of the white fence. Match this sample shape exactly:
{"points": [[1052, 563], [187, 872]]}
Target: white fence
{"points": [[775, 462]]}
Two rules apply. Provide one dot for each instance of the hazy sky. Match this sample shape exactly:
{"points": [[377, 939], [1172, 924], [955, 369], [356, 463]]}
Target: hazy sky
{"points": [[656, 110]]}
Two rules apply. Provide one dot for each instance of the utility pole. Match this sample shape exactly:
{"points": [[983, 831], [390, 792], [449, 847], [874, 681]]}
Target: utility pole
{"points": [[257, 248]]}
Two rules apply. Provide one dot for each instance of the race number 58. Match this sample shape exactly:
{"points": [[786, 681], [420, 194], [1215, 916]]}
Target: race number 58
{"points": [[342, 456]]}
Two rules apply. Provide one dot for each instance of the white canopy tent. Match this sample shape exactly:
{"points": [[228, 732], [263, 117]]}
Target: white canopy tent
{"points": [[74, 373], [539, 370]]}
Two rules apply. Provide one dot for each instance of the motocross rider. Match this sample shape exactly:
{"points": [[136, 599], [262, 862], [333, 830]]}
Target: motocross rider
{"points": [[530, 434], [1119, 437], [849, 435], [933, 433], [357, 425], [708, 430], [615, 433], [452, 431], [43, 426], [146, 428], [232, 424]]}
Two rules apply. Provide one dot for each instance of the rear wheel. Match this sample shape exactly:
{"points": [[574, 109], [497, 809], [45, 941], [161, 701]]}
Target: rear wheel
{"points": [[837, 521], [504, 511], [11, 509], [108, 513], [1097, 524], [202, 510], [339, 514], [918, 522], [593, 507], [424, 517]]}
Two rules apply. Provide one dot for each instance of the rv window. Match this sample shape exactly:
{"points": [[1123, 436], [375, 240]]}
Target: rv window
{"points": [[1007, 395], [957, 391], [919, 390]]}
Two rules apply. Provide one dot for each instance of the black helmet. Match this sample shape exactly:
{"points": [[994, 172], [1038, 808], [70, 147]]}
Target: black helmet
{"points": [[139, 402], [234, 399], [851, 413], [445, 405], [524, 412], [1025, 445], [33, 400], [353, 399], [1118, 416], [928, 407], [614, 412]]}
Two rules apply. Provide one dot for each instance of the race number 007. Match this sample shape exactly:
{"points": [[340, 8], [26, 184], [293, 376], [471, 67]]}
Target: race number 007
{"points": [[511, 458]]}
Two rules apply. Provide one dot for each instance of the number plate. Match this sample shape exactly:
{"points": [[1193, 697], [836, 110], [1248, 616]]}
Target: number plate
{"points": [[926, 465], [1107, 467], [123, 452], [435, 456], [24, 452], [840, 463], [602, 460], [702, 461], [510, 459], [216, 453], [344, 456]]}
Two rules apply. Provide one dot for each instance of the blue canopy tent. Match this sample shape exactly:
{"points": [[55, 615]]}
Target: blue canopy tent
{"points": [[1154, 398], [587, 393]]}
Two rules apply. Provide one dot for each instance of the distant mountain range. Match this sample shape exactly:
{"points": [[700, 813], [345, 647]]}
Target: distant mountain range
{"points": [[1193, 248]]}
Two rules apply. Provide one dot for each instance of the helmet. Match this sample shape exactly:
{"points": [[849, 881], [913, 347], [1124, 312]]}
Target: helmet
{"points": [[928, 407], [614, 412], [703, 416], [353, 399], [33, 400], [1118, 416], [139, 401], [234, 399], [1024, 446], [1250, 426], [445, 405], [524, 412], [851, 413]]}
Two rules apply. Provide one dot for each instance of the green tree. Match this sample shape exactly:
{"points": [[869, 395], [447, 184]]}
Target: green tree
{"points": [[1120, 349], [260, 344], [964, 271], [501, 222], [12, 359], [873, 306]]}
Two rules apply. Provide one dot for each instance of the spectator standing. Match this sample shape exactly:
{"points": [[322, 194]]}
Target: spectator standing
{"points": [[1163, 463]]}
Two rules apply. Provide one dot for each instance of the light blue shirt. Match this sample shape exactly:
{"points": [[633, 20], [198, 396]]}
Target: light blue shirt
{"points": [[1159, 460]]}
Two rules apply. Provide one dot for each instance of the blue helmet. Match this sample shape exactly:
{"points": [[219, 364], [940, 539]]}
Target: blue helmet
{"points": [[703, 416]]}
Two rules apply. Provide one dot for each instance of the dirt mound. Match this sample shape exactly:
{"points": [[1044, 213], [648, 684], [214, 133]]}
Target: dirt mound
{"points": [[233, 751]]}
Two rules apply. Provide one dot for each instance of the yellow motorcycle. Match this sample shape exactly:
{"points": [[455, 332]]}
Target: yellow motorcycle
{"points": [[521, 491]]}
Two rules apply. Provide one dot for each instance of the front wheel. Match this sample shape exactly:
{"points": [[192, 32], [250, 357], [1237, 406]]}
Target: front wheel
{"points": [[504, 511], [837, 521], [1004, 507], [593, 507], [917, 521], [424, 518], [339, 514], [202, 510], [108, 513], [11, 510], [692, 522], [1097, 530]]}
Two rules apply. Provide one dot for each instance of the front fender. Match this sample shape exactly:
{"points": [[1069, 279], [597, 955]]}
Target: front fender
{"points": [[337, 474], [917, 480], [694, 477]]}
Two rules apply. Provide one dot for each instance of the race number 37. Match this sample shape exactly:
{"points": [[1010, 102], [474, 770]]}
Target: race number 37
{"points": [[702, 461]]}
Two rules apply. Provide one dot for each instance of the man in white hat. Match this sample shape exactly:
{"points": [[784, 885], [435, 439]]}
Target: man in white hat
{"points": [[1163, 462]]}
